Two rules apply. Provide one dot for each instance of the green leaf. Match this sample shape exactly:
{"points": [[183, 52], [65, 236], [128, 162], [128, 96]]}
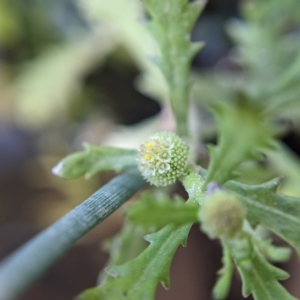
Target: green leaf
{"points": [[93, 160], [121, 248], [287, 164], [260, 278], [279, 213], [123, 18], [263, 31], [172, 22], [38, 103], [243, 129], [158, 210], [221, 288], [138, 279], [193, 183], [263, 243], [273, 253]]}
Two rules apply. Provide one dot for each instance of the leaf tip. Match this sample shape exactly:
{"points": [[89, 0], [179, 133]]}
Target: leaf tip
{"points": [[274, 184], [148, 238], [199, 3], [166, 282], [57, 170], [113, 271]]}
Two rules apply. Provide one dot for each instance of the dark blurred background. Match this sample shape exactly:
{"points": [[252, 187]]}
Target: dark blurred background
{"points": [[60, 86]]}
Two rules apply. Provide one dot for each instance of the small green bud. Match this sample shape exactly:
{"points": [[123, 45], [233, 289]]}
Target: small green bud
{"points": [[162, 158], [221, 214]]}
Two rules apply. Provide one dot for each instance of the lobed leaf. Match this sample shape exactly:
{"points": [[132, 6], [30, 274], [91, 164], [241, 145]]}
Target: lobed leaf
{"points": [[95, 159], [157, 211], [272, 253], [172, 22], [260, 278], [122, 249], [277, 212], [287, 164], [243, 129], [263, 31], [222, 286], [138, 279]]}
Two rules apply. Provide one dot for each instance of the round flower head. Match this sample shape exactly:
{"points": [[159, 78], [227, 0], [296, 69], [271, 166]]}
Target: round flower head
{"points": [[221, 214], [162, 158]]}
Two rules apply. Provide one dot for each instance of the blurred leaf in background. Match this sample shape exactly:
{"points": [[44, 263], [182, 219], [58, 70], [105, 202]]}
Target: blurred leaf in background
{"points": [[64, 79], [263, 65]]}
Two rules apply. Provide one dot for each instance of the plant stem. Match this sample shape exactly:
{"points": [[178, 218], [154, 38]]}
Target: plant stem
{"points": [[28, 263]]}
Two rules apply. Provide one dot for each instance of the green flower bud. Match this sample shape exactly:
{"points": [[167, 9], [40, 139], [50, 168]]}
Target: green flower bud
{"points": [[221, 214], [162, 158]]}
